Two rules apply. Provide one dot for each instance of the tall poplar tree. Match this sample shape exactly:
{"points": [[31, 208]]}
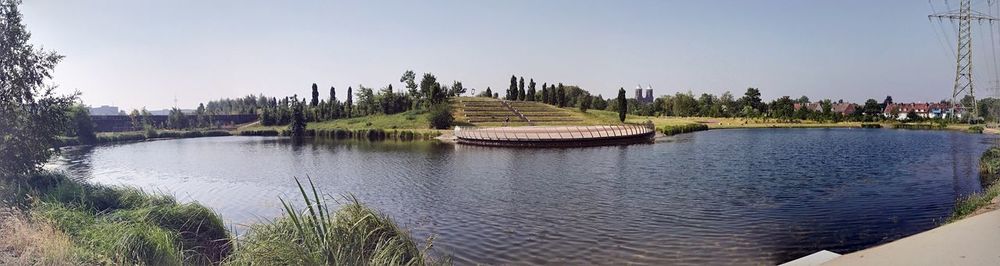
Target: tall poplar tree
{"points": [[622, 105]]}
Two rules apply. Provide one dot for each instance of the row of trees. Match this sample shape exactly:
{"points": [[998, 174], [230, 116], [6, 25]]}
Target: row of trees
{"points": [[360, 102], [749, 105]]}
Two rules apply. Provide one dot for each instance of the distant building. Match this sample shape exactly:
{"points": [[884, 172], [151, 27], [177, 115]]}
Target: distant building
{"points": [[104, 110], [899, 111], [644, 99], [837, 108]]}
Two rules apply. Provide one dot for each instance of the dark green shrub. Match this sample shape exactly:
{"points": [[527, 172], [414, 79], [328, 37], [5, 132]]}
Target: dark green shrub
{"points": [[680, 129], [976, 129], [440, 116]]}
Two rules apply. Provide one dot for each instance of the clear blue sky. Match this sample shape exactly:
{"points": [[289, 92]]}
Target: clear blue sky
{"points": [[145, 53]]}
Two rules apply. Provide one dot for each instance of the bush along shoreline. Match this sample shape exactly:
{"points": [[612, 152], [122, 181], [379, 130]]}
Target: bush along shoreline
{"points": [[989, 175], [680, 129], [132, 136], [355, 134], [121, 225]]}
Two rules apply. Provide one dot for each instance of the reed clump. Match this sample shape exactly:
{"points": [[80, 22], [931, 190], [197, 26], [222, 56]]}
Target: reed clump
{"points": [[680, 129], [315, 235]]}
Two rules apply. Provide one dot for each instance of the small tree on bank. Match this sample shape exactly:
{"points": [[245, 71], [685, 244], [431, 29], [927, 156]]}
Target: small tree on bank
{"points": [[84, 126], [622, 105], [298, 125], [315, 96]]}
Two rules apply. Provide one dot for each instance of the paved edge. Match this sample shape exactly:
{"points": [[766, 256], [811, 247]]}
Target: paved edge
{"points": [[970, 241], [813, 259]]}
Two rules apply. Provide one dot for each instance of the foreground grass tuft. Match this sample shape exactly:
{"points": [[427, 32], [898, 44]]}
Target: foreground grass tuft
{"points": [[32, 242], [353, 235], [989, 172], [93, 224], [117, 225]]}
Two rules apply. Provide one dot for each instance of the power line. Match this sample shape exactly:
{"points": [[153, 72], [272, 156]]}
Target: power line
{"points": [[964, 15]]}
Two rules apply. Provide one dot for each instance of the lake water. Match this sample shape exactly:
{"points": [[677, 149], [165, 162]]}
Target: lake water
{"points": [[714, 197]]}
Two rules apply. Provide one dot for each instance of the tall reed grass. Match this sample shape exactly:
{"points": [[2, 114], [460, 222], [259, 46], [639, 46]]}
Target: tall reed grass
{"points": [[352, 235], [680, 129]]}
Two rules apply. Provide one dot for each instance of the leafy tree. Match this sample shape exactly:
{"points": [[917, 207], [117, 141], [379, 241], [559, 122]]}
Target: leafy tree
{"points": [[334, 104], [409, 78], [827, 108], [487, 93], [708, 106], [83, 126], [585, 102], [530, 95], [872, 108], [729, 105], [201, 116], [783, 107], [366, 101], [622, 105], [432, 89], [134, 117], [31, 115], [512, 90], [147, 118], [803, 100], [545, 93], [440, 116], [315, 96], [333, 94], [599, 103], [298, 125], [912, 116], [684, 104], [752, 98], [561, 95], [176, 119], [520, 89], [456, 89], [887, 101], [349, 104]]}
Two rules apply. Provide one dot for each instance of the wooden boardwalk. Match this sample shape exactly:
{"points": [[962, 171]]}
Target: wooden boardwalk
{"points": [[563, 136]]}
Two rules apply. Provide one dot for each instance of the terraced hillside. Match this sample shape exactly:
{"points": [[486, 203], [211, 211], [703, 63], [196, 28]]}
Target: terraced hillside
{"points": [[480, 111]]}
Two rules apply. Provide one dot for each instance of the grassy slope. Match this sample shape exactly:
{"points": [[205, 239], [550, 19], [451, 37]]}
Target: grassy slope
{"points": [[404, 120]]}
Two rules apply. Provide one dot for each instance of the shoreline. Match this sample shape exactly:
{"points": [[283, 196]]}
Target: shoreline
{"points": [[968, 237], [447, 136]]}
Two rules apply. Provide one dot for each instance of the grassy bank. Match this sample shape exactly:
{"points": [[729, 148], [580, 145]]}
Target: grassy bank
{"points": [[113, 137], [356, 134], [94, 224], [406, 126], [989, 173]]}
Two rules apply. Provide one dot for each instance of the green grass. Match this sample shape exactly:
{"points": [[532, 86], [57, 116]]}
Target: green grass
{"points": [[127, 226], [353, 235], [117, 225], [411, 120], [989, 172]]}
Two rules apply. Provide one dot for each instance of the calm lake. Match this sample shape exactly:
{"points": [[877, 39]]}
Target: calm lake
{"points": [[761, 196]]}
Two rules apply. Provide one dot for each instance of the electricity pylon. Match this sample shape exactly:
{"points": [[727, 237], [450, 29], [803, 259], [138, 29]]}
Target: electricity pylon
{"points": [[963, 59]]}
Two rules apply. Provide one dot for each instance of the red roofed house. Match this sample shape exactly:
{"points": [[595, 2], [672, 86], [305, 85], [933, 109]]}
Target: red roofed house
{"points": [[924, 110], [838, 108]]}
